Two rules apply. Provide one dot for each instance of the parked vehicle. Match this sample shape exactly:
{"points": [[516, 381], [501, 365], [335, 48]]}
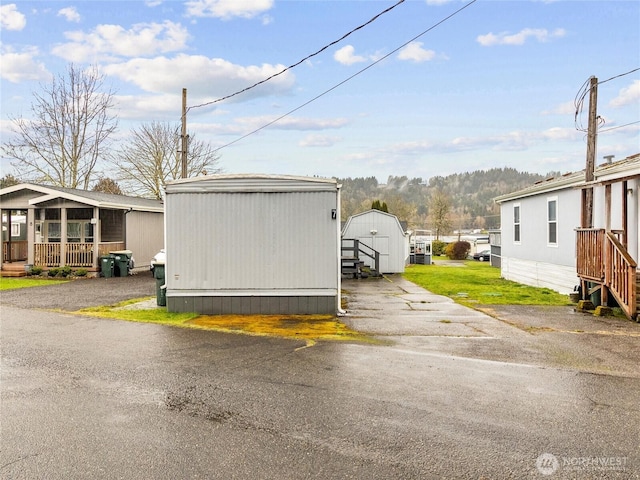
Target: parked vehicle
{"points": [[483, 256]]}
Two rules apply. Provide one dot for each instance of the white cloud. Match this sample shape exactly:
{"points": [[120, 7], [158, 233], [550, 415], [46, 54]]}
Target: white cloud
{"points": [[109, 41], [70, 13], [346, 56], [540, 34], [416, 53], [566, 108], [227, 9], [142, 107], [319, 141], [627, 96], [293, 123], [19, 66], [208, 78], [11, 18]]}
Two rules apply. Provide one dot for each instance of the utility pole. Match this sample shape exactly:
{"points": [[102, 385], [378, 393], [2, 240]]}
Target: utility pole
{"points": [[592, 130], [184, 134]]}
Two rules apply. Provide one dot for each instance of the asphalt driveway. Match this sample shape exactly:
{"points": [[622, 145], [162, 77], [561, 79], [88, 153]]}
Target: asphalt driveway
{"points": [[82, 293], [453, 393]]}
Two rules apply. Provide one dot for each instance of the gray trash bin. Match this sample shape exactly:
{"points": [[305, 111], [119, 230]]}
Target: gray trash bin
{"points": [[161, 288]]}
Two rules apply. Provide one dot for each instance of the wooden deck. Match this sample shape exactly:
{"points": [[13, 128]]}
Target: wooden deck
{"points": [[604, 264]]}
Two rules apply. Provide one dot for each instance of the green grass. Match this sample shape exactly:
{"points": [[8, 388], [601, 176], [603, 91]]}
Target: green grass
{"points": [[478, 283], [10, 283]]}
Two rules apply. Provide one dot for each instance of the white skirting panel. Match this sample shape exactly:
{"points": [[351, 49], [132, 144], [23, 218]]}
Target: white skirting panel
{"points": [[560, 278]]}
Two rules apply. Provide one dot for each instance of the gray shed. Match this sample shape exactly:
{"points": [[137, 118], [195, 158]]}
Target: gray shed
{"points": [[383, 233], [253, 244]]}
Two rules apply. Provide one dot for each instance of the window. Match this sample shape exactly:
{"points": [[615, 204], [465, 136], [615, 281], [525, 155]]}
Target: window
{"points": [[15, 229], [74, 232], [78, 232], [516, 223], [552, 221], [53, 231]]}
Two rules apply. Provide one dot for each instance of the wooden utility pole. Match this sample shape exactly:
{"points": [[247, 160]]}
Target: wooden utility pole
{"points": [[184, 134], [592, 130]]}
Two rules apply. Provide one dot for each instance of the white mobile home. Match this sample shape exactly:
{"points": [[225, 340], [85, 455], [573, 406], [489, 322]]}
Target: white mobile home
{"points": [[538, 233], [383, 233], [544, 243], [253, 244]]}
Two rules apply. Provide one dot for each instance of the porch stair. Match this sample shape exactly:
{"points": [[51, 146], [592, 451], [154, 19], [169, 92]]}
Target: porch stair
{"points": [[352, 263], [13, 270]]}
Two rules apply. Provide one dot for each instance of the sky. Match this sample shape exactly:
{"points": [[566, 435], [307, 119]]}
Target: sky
{"points": [[429, 88]]}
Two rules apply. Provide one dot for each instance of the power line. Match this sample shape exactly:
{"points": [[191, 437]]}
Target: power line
{"points": [[619, 126], [348, 78], [300, 61], [621, 75]]}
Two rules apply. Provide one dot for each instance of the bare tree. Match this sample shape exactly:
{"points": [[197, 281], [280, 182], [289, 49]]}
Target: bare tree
{"points": [[70, 125], [151, 159], [440, 212]]}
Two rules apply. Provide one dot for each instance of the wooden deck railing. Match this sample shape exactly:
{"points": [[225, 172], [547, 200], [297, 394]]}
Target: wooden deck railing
{"points": [[620, 274], [77, 254], [590, 251], [47, 254], [603, 259]]}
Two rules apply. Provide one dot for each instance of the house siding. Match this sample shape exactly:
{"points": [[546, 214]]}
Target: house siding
{"points": [[144, 236], [562, 279], [265, 246], [532, 260]]}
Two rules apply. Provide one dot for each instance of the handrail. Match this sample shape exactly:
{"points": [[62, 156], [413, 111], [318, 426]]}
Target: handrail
{"points": [[620, 274], [589, 248], [357, 249]]}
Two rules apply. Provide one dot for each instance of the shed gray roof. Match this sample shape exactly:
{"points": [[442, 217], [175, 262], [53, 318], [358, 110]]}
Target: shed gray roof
{"points": [[96, 199]]}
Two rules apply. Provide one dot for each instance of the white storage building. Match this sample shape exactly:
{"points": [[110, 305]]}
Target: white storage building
{"points": [[253, 244], [383, 233]]}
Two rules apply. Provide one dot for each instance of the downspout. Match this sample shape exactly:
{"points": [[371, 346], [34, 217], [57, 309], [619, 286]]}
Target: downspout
{"points": [[125, 226], [339, 309]]}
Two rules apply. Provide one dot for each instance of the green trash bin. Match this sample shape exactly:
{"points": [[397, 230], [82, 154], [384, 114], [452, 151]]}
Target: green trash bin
{"points": [[161, 288], [107, 266], [122, 260]]}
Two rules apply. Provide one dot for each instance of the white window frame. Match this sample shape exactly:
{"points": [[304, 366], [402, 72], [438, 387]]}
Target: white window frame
{"points": [[551, 221], [517, 225]]}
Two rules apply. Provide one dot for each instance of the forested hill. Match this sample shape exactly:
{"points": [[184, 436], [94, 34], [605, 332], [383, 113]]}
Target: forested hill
{"points": [[468, 196]]}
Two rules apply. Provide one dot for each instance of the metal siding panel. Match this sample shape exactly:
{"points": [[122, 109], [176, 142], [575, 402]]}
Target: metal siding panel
{"points": [[251, 240], [145, 236]]}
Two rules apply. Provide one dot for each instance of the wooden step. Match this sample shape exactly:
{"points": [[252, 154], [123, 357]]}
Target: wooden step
{"points": [[13, 270]]}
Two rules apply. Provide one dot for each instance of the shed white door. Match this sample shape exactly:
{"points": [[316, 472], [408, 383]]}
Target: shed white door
{"points": [[379, 243]]}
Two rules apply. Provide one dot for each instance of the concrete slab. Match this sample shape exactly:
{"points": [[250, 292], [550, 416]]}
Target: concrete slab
{"points": [[394, 307]]}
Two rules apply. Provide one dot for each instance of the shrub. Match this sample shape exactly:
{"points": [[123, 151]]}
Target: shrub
{"points": [[437, 247], [53, 272], [65, 271], [35, 270], [81, 272], [458, 250]]}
